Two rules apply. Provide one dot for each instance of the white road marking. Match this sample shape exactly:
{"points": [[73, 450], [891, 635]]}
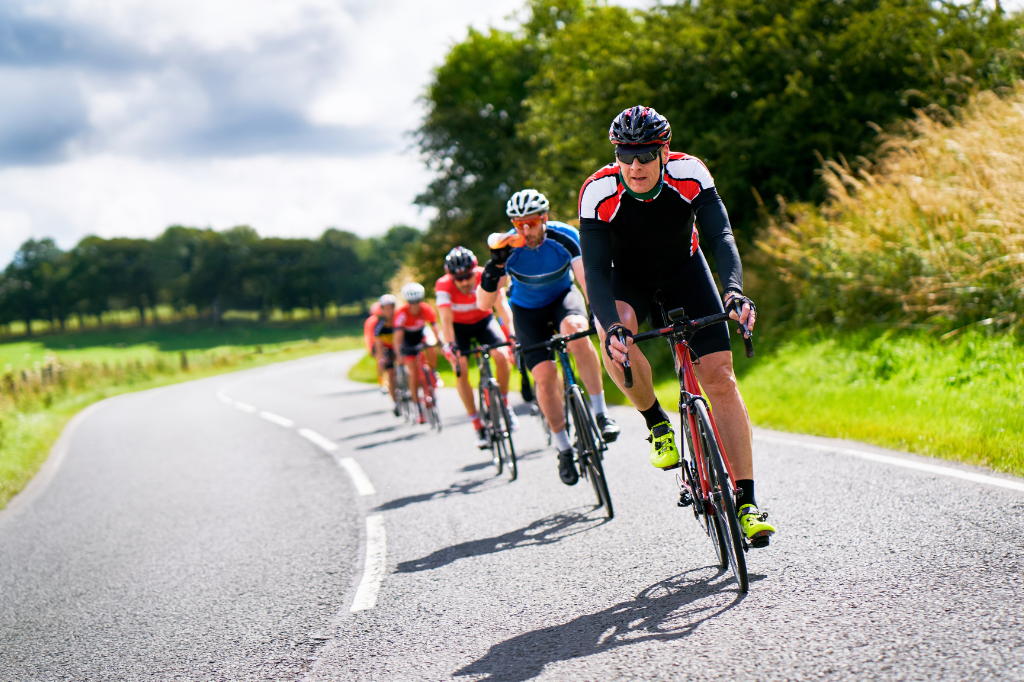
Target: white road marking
{"points": [[376, 562], [314, 437], [905, 463], [224, 399], [244, 407], [359, 477], [278, 419]]}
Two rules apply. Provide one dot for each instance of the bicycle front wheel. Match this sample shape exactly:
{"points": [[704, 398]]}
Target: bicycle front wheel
{"points": [[492, 423], [504, 433], [587, 451], [702, 508], [722, 497]]}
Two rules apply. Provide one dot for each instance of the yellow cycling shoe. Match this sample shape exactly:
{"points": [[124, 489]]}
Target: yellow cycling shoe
{"points": [[664, 454], [755, 525]]}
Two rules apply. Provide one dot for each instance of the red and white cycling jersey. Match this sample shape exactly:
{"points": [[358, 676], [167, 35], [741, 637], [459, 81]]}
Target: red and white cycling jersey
{"points": [[464, 308], [410, 322]]}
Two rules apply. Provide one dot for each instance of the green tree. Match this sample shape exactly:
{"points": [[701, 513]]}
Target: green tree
{"points": [[31, 287]]}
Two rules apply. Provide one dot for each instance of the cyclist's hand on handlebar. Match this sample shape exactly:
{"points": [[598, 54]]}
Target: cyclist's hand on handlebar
{"points": [[450, 353], [614, 347], [741, 309]]}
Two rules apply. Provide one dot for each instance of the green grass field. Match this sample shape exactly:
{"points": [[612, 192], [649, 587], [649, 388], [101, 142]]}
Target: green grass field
{"points": [[135, 359], [961, 400]]}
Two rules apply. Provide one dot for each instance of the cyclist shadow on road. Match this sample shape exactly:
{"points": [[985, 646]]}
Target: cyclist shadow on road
{"points": [[546, 531], [668, 610], [460, 488]]}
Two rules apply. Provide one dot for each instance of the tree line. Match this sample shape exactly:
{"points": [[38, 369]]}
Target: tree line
{"points": [[202, 268], [761, 90]]}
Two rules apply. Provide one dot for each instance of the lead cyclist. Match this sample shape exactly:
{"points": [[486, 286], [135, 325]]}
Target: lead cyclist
{"points": [[640, 213]]}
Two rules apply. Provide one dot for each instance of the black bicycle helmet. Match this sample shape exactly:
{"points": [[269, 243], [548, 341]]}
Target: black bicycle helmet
{"points": [[640, 125], [459, 260]]}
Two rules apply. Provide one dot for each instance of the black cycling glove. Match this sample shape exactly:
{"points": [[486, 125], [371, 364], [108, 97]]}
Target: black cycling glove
{"points": [[499, 256], [490, 277], [613, 333]]}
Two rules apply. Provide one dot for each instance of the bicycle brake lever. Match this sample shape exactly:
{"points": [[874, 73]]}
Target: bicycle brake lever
{"points": [[627, 371]]}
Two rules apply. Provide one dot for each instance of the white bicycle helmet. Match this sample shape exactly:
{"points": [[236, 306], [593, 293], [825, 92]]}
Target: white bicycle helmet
{"points": [[386, 299], [412, 292], [526, 202]]}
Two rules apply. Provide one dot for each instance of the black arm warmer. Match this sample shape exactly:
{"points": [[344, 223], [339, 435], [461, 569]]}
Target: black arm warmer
{"points": [[596, 245], [714, 227], [490, 277]]}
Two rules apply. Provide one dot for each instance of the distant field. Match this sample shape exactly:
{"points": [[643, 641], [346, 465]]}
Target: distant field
{"points": [[89, 366]]}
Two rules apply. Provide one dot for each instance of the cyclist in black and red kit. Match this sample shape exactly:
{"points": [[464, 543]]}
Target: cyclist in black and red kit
{"points": [[638, 234]]}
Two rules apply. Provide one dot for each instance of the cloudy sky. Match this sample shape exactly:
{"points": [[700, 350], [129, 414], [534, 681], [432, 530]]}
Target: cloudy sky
{"points": [[121, 117]]}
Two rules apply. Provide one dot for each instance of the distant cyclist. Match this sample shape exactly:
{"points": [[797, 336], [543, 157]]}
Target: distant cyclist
{"points": [[640, 241], [384, 339], [541, 257], [462, 322], [369, 340], [416, 323]]}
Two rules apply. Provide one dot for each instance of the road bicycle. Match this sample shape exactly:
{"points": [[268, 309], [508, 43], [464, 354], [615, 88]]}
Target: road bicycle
{"points": [[706, 483], [494, 416], [428, 384], [403, 396], [588, 444]]}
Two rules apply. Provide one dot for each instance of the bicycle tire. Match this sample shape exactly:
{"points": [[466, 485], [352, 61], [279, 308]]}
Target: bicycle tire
{"points": [[723, 503], [430, 398], [488, 414], [705, 517], [588, 453], [509, 450]]}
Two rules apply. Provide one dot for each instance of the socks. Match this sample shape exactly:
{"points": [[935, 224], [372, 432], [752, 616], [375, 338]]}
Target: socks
{"points": [[654, 414], [597, 403], [477, 424], [561, 440], [747, 486]]}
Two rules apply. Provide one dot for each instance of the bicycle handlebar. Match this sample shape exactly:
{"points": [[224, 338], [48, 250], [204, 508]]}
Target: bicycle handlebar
{"points": [[556, 339], [692, 326], [474, 351]]}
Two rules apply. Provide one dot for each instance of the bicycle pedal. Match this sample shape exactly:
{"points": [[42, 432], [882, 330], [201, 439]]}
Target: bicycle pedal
{"points": [[760, 542], [684, 499]]}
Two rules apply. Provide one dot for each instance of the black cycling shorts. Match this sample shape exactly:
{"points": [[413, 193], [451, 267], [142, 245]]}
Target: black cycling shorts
{"points": [[410, 340], [487, 332], [534, 325], [690, 287]]}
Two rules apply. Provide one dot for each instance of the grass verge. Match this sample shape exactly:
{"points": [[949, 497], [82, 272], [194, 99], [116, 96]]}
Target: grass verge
{"points": [[961, 400], [33, 418]]}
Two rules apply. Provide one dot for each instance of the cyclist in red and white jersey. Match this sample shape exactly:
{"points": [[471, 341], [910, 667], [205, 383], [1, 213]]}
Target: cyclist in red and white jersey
{"points": [[384, 344], [462, 322], [416, 323], [638, 235]]}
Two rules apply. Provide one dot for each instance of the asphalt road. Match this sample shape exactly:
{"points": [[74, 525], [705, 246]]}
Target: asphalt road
{"points": [[206, 531]]}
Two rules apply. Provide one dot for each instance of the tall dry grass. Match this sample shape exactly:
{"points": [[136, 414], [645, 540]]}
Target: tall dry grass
{"points": [[929, 234]]}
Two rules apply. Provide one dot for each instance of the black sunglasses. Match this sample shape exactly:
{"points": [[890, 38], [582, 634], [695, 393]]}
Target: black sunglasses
{"points": [[642, 157], [462, 276]]}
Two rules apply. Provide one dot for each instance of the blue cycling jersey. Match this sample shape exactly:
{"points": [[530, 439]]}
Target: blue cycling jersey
{"points": [[541, 275]]}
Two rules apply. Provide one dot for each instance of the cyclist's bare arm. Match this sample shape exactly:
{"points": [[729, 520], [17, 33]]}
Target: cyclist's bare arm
{"points": [[581, 277], [399, 338], [438, 333], [504, 312], [485, 300], [447, 322]]}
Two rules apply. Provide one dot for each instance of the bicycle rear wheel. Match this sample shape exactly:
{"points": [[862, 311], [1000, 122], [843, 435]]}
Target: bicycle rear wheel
{"points": [[588, 451], [430, 398], [723, 501]]}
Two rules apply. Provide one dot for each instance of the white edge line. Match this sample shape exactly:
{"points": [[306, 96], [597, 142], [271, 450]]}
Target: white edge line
{"points": [[244, 407], [359, 477], [376, 562], [315, 438], [905, 463], [278, 419]]}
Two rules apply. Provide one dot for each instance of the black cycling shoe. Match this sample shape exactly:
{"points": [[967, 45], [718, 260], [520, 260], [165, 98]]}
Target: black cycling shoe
{"points": [[398, 410], [609, 429], [567, 469]]}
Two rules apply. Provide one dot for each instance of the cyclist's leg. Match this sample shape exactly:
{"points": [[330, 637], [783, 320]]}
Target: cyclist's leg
{"points": [[489, 333], [532, 326], [462, 341], [633, 303]]}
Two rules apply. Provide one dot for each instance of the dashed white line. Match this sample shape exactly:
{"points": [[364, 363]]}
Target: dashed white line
{"points": [[376, 562], [224, 399], [314, 437], [244, 407], [359, 477], [905, 463], [278, 419]]}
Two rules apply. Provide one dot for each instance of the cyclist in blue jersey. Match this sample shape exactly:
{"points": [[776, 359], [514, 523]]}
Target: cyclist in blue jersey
{"points": [[541, 261]]}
